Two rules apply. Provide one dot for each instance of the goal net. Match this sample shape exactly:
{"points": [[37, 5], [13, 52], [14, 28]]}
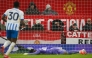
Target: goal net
{"points": [[52, 23]]}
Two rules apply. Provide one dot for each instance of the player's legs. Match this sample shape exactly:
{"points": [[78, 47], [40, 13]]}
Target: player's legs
{"points": [[10, 48], [83, 51], [4, 46], [63, 51], [73, 51], [8, 41], [14, 35]]}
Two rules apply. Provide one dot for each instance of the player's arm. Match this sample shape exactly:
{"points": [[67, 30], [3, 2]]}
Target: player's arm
{"points": [[22, 19], [34, 53], [4, 18], [22, 22]]}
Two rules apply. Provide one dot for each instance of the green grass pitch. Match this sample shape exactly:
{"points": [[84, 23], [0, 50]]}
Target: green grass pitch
{"points": [[49, 56]]}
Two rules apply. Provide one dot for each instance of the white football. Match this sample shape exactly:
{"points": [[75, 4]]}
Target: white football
{"points": [[25, 54]]}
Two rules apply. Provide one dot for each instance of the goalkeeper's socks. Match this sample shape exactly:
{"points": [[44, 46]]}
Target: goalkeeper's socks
{"points": [[6, 43], [10, 48]]}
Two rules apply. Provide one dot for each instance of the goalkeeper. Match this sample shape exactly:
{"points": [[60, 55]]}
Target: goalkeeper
{"points": [[53, 50]]}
